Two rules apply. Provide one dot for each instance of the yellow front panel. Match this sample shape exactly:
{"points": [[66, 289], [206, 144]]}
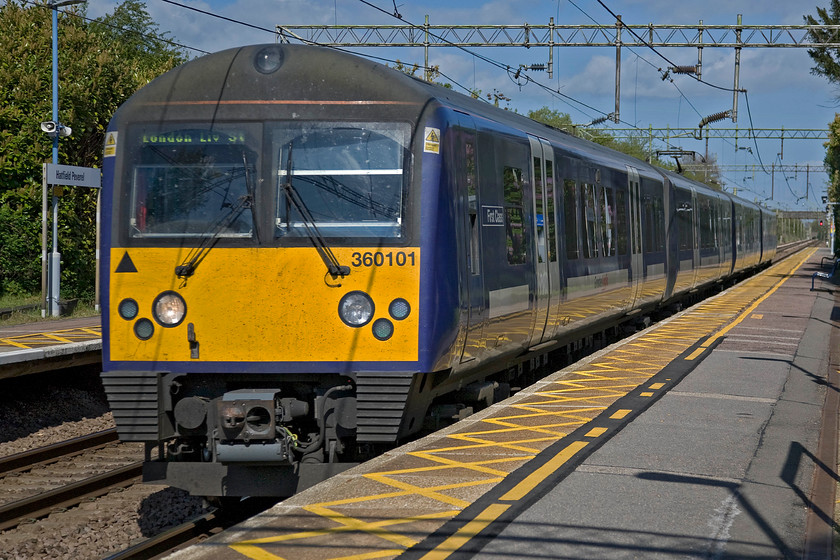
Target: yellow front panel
{"points": [[265, 305]]}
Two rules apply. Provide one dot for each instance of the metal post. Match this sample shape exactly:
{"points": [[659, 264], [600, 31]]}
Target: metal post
{"points": [[45, 295], [551, 47], [700, 52], [426, 49], [55, 257], [616, 117], [737, 72]]}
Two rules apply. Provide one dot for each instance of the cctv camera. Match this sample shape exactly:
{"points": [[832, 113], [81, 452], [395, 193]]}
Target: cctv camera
{"points": [[48, 127]]}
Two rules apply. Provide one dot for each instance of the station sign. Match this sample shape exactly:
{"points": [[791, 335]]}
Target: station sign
{"points": [[73, 176]]}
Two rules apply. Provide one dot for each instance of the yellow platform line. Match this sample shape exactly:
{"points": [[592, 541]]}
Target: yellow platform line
{"points": [[624, 370]]}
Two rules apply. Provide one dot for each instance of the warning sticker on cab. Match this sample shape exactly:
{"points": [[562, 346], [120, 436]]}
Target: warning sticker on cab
{"points": [[431, 143], [111, 144]]}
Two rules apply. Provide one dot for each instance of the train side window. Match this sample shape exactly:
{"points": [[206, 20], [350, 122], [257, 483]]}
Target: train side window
{"points": [[549, 209], [606, 200], [590, 220], [570, 214], [514, 216], [621, 222]]}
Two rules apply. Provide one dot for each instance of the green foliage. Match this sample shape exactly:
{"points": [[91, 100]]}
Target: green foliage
{"points": [[832, 163], [826, 60], [101, 64]]}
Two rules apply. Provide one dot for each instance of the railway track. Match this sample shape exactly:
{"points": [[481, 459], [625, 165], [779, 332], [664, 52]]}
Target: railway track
{"points": [[37, 471]]}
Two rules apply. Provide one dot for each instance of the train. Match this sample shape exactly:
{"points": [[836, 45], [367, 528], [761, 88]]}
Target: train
{"points": [[308, 257]]}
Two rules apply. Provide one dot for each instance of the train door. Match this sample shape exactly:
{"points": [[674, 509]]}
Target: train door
{"points": [[637, 263], [543, 224], [465, 160]]}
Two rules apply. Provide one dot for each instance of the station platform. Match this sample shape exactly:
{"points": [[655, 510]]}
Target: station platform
{"points": [[712, 434], [46, 345]]}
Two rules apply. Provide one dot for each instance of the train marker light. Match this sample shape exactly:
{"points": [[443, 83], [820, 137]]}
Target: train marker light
{"points": [[383, 329], [399, 309], [144, 329], [128, 309]]}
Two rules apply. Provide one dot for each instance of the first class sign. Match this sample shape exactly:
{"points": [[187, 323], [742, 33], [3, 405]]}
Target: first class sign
{"points": [[73, 176]]}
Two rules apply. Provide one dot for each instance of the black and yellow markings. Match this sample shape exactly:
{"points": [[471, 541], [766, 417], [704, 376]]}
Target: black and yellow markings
{"points": [[445, 495], [42, 339]]}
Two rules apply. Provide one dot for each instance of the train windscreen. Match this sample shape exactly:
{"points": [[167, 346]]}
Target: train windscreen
{"points": [[349, 177], [193, 181]]}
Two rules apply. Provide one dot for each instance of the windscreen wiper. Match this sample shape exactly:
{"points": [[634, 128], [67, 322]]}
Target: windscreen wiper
{"points": [[197, 254], [249, 186], [334, 268]]}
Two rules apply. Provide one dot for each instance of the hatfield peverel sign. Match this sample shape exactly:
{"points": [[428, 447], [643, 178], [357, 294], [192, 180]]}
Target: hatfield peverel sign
{"points": [[73, 176]]}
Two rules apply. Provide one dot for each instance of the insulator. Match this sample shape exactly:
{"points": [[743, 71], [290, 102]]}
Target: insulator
{"points": [[684, 69], [539, 67], [713, 118]]}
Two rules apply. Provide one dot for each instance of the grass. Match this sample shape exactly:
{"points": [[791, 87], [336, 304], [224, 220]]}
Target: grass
{"points": [[83, 309]]}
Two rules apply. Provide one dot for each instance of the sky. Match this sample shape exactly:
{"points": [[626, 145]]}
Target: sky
{"points": [[781, 90]]}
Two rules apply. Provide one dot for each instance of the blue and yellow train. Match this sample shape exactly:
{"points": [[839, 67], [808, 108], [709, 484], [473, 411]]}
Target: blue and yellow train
{"points": [[308, 253]]}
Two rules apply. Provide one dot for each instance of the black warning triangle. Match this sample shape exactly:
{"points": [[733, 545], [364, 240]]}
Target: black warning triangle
{"points": [[126, 264]]}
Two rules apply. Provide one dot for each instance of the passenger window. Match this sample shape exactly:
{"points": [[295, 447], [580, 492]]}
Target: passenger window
{"points": [[514, 216], [590, 220], [570, 214], [606, 200], [621, 220]]}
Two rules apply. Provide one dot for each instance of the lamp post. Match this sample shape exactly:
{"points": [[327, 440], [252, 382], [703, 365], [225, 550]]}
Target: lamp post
{"points": [[55, 129]]}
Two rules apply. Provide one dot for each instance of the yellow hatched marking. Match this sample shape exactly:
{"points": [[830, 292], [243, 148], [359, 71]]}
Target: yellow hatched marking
{"points": [[12, 342], [57, 338], [527, 427]]}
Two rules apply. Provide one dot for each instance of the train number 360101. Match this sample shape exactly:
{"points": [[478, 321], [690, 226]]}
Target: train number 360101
{"points": [[368, 259]]}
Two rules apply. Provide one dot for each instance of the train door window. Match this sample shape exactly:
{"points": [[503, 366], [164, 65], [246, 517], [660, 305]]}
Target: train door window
{"points": [[538, 202], [606, 200], [654, 220], [472, 193], [514, 216], [590, 222], [621, 223], [570, 215], [685, 219], [704, 222], [549, 209]]}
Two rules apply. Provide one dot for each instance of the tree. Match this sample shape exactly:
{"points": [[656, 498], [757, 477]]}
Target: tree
{"points": [[101, 63], [826, 60]]}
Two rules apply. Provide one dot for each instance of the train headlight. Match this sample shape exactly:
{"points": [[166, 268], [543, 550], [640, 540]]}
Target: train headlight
{"points": [[356, 309], [169, 309], [268, 60]]}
